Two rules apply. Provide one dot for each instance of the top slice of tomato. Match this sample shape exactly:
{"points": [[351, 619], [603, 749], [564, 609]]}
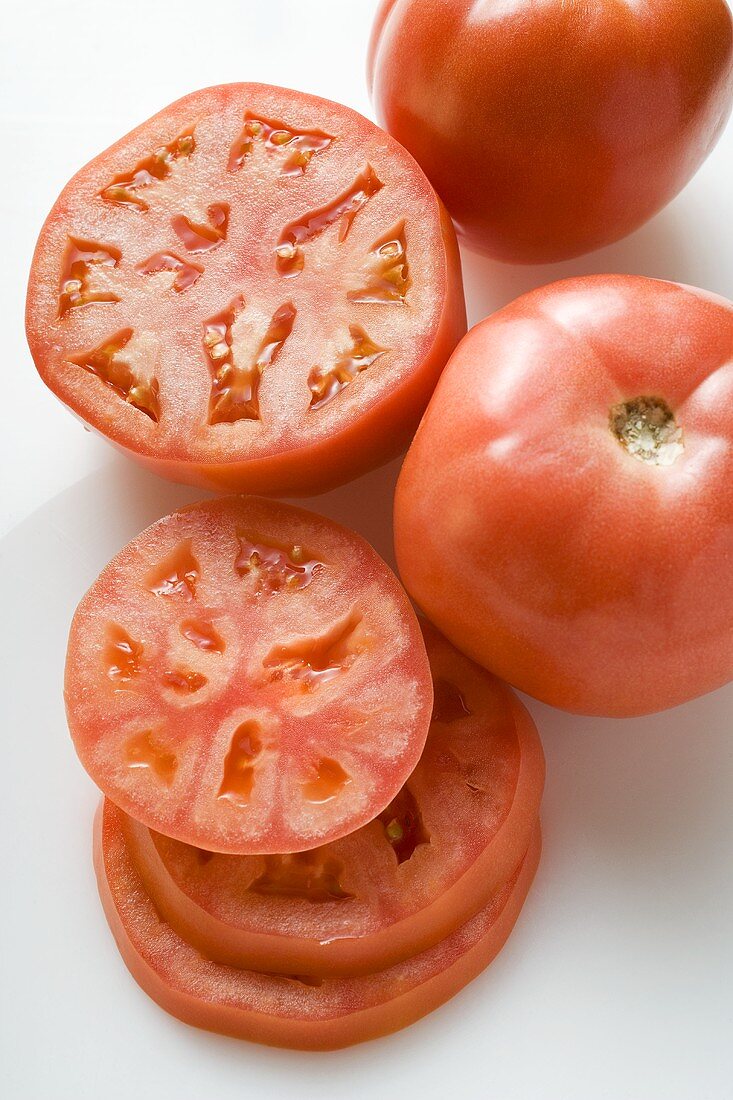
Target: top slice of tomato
{"points": [[256, 289], [248, 677]]}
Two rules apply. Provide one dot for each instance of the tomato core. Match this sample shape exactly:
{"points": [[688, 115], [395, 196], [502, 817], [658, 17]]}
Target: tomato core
{"points": [[646, 428]]}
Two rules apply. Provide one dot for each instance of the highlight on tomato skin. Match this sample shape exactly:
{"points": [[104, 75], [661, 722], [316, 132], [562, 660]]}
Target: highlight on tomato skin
{"points": [[559, 127], [248, 677], [577, 458], [254, 291], [301, 1012], [424, 866]]}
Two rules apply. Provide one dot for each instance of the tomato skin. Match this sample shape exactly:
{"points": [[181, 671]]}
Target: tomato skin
{"points": [[273, 1010], [438, 895], [528, 534], [294, 460], [562, 126]]}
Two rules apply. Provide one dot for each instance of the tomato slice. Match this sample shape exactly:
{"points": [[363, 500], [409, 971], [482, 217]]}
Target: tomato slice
{"points": [[295, 1011], [248, 677], [255, 290], [428, 863]]}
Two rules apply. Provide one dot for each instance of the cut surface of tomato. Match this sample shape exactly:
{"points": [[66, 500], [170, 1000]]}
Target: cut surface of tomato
{"points": [[255, 290], [246, 676], [296, 1011], [424, 866]]}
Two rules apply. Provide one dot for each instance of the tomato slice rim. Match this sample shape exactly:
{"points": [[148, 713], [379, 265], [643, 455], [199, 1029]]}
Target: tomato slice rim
{"points": [[128, 908]]}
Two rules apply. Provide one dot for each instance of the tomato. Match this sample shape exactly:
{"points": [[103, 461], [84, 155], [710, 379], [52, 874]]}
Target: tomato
{"points": [[428, 863], [292, 1011], [565, 513], [248, 677], [552, 127], [254, 290]]}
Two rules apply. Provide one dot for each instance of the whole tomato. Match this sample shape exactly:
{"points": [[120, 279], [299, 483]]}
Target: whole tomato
{"points": [[552, 127], [565, 513]]}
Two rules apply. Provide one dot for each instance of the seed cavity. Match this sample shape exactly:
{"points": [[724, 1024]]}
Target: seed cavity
{"points": [[647, 430], [328, 782], [184, 681], [124, 189], [388, 276], [80, 257], [198, 237], [312, 876], [235, 387], [314, 660], [325, 383], [275, 567], [403, 825], [187, 273], [290, 253], [106, 363], [300, 146], [145, 751], [203, 635], [122, 655], [176, 575], [239, 766], [448, 702]]}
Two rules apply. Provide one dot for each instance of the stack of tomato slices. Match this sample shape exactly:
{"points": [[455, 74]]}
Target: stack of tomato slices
{"points": [[320, 820]]}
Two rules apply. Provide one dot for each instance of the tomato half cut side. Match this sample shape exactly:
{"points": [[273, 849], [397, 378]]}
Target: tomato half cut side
{"points": [[397, 886], [255, 290], [248, 677], [296, 1011]]}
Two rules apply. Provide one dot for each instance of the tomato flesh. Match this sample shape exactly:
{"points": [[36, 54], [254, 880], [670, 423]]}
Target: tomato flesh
{"points": [[248, 677], [254, 290], [297, 1011], [425, 865]]}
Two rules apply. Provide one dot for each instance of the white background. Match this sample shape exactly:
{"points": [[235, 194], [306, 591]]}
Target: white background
{"points": [[618, 980]]}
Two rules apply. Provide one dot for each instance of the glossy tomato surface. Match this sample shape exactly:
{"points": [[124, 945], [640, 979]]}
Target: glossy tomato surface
{"points": [[254, 290], [248, 677], [429, 862], [296, 1011], [552, 127], [565, 513]]}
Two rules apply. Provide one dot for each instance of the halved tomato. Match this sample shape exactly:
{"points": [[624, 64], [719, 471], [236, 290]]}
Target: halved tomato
{"points": [[291, 1011], [249, 677], [254, 290], [428, 863]]}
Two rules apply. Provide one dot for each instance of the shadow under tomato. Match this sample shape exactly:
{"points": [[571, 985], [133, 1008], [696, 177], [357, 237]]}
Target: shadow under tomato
{"points": [[661, 249]]}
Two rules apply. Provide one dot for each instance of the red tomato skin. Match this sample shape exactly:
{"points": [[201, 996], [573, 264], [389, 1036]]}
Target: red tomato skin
{"points": [[593, 581], [352, 955], [358, 1014], [378, 434], [562, 126]]}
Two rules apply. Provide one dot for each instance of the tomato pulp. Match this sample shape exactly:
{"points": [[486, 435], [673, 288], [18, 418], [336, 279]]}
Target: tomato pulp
{"points": [[565, 513], [246, 676], [559, 126], [255, 290], [297, 1011], [452, 836]]}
